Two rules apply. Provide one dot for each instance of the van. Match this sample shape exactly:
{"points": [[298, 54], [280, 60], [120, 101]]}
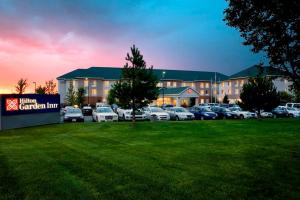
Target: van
{"points": [[293, 105]]}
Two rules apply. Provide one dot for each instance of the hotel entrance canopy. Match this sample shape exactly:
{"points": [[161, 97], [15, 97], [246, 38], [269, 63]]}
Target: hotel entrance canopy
{"points": [[176, 95]]}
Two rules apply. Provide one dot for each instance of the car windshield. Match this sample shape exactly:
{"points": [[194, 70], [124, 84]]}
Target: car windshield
{"points": [[180, 110], [156, 109], [297, 106], [206, 109], [289, 108], [72, 110], [104, 110]]}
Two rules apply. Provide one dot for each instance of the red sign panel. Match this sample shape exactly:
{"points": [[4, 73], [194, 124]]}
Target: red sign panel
{"points": [[12, 104]]}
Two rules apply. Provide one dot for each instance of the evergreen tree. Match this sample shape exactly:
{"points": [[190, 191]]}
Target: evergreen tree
{"points": [[80, 96], [225, 99], [137, 86], [40, 90], [71, 96]]}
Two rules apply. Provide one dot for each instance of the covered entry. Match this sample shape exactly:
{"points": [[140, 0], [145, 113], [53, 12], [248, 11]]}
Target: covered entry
{"points": [[181, 96]]}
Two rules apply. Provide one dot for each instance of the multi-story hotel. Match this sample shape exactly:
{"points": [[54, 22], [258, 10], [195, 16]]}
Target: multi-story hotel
{"points": [[178, 87]]}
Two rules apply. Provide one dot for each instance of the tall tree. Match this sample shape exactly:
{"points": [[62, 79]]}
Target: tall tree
{"points": [[80, 96], [271, 26], [225, 99], [50, 87], [21, 86], [71, 96], [137, 86], [40, 90], [259, 93]]}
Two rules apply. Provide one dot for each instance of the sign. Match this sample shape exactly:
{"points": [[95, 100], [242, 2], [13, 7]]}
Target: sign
{"points": [[15, 104]]}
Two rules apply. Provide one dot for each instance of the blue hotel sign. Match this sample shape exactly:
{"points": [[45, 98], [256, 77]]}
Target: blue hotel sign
{"points": [[16, 104]]}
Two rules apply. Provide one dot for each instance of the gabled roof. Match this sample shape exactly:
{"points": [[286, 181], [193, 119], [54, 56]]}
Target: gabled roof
{"points": [[175, 90], [254, 71], [113, 73]]}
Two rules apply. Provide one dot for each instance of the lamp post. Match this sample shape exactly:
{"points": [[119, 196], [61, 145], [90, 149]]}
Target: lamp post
{"points": [[88, 90], [34, 87], [163, 88]]}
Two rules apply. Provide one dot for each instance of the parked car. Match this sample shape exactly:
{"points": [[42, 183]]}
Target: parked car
{"points": [[265, 114], [224, 113], [203, 112], [293, 105], [66, 108], [156, 113], [179, 113], [280, 111], [104, 114], [243, 114], [165, 106], [73, 115], [293, 112], [87, 110], [101, 104], [126, 114]]}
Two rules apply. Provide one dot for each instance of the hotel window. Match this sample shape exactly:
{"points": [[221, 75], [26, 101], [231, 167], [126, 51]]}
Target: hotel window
{"points": [[168, 84], [229, 83], [206, 92], [222, 91], [242, 82], [106, 83], [201, 85], [94, 83], [86, 82], [174, 84], [223, 84], [201, 100], [237, 83], [229, 91], [106, 92], [236, 91], [202, 92], [193, 85], [94, 92], [206, 85]]}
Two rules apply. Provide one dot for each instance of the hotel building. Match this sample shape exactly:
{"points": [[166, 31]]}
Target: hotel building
{"points": [[178, 87]]}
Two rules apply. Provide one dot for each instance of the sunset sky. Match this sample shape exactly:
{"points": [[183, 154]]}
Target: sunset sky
{"points": [[43, 39]]}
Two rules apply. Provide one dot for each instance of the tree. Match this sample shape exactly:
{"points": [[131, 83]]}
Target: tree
{"points": [[259, 93], [285, 97], [50, 87], [71, 96], [21, 86], [40, 90], [270, 26], [80, 96], [225, 99], [137, 86]]}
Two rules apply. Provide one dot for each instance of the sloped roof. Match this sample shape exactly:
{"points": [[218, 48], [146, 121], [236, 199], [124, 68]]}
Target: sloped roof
{"points": [[254, 71], [173, 91], [113, 73]]}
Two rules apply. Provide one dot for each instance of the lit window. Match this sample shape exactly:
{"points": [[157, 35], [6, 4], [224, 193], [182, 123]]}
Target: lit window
{"points": [[202, 85], [223, 84], [193, 85], [236, 91], [86, 82], [159, 84], [106, 83], [174, 84], [202, 92], [168, 84], [229, 91], [206, 85], [94, 83], [106, 92], [229, 83], [94, 92]]}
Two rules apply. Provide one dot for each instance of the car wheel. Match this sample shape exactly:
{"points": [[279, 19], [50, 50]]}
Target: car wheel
{"points": [[202, 118], [123, 118], [177, 118], [153, 118], [242, 117]]}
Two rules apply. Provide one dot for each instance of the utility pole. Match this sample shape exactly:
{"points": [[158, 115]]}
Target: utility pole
{"points": [[88, 90], [163, 88], [34, 87]]}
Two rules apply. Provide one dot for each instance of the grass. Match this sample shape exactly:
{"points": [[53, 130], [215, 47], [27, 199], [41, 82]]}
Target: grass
{"points": [[244, 159]]}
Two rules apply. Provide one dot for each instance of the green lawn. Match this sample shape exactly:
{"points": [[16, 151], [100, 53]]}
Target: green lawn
{"points": [[244, 159]]}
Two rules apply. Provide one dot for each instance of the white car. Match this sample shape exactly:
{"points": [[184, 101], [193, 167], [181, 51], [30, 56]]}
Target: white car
{"points": [[126, 114], [73, 115], [101, 104], [293, 112], [180, 113], [156, 113], [242, 114], [264, 114], [104, 114]]}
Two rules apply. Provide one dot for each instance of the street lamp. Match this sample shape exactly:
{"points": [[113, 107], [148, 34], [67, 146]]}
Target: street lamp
{"points": [[163, 88], [34, 87], [88, 90]]}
